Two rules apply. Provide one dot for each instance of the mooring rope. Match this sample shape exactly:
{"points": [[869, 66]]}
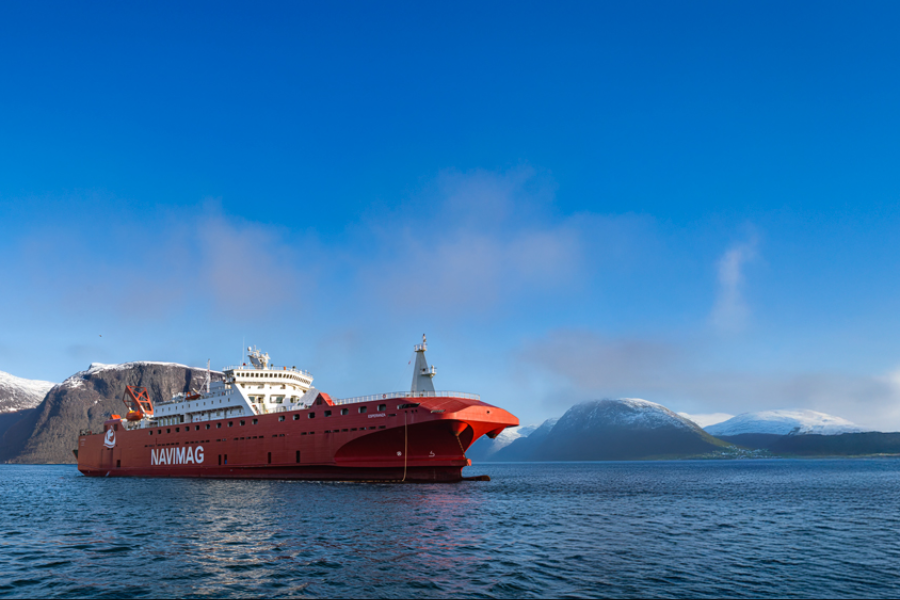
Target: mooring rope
{"points": [[405, 445]]}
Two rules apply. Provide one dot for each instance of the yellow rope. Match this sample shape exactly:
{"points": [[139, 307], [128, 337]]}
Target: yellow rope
{"points": [[405, 446]]}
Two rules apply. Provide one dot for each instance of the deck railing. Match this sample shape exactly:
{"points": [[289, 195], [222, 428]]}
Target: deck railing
{"points": [[393, 395], [269, 369]]}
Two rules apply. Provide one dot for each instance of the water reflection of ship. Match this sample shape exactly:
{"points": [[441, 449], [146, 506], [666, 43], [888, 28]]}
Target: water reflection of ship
{"points": [[271, 423]]}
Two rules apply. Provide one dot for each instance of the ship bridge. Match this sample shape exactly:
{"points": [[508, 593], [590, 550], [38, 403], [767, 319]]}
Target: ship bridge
{"points": [[257, 388]]}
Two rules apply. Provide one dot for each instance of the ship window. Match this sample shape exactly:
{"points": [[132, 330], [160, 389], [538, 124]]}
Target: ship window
{"points": [[207, 425], [381, 427], [327, 413], [281, 418], [218, 426], [255, 421], [151, 433], [296, 417], [344, 411], [196, 428], [220, 459], [118, 463], [270, 458], [159, 432], [312, 415], [363, 409], [344, 430], [354, 429], [382, 407], [231, 423], [168, 430], [298, 456], [243, 423], [304, 433]]}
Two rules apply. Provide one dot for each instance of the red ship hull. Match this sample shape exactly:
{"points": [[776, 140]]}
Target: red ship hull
{"points": [[420, 440]]}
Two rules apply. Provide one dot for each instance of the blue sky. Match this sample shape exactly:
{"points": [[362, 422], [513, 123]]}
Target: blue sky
{"points": [[694, 203]]}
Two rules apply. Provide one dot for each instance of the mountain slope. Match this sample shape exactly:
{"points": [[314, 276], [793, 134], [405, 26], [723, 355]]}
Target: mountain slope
{"points": [[783, 422], [623, 429], [485, 448], [18, 394], [84, 401]]}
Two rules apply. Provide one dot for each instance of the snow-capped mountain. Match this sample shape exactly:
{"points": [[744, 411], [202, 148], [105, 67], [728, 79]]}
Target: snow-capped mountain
{"points": [[78, 379], [632, 413], [85, 400], [21, 394], [784, 422], [622, 429]]}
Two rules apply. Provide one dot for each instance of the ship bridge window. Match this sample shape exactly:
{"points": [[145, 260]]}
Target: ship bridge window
{"points": [[296, 417], [327, 413], [281, 418], [382, 407], [363, 409], [344, 411], [255, 421], [231, 423], [243, 423], [312, 415]]}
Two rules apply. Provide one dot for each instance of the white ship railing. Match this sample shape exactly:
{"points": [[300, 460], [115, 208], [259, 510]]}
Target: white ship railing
{"points": [[393, 395], [269, 369]]}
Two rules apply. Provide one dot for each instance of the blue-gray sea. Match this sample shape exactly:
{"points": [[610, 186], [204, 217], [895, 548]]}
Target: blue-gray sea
{"points": [[755, 528]]}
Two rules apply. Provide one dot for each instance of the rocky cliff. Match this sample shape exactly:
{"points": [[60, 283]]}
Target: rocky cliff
{"points": [[49, 432]]}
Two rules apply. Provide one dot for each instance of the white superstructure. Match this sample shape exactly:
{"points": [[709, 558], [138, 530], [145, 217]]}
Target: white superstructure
{"points": [[259, 389], [255, 389]]}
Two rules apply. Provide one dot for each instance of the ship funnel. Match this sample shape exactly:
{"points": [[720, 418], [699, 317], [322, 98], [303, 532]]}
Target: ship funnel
{"points": [[423, 374]]}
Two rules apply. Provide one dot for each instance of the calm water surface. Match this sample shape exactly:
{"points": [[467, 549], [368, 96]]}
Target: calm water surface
{"points": [[764, 528]]}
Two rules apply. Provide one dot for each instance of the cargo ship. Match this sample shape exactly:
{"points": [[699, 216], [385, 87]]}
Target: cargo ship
{"points": [[263, 422]]}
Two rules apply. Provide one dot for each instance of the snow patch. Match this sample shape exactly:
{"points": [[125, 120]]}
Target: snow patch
{"points": [[784, 422], [18, 394], [77, 380], [629, 413]]}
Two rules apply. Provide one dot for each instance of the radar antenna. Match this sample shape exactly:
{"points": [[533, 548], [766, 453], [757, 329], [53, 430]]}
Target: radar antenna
{"points": [[259, 360]]}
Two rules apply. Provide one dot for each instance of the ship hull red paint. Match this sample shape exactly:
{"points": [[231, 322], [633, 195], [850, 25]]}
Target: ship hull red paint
{"points": [[423, 443]]}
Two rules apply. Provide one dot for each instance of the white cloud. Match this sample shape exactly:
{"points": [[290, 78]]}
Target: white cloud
{"points": [[478, 240], [731, 312]]}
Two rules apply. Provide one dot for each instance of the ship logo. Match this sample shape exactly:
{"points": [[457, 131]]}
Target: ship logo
{"points": [[110, 440]]}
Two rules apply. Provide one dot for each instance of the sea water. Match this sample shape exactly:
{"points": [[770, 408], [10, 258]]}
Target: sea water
{"points": [[755, 528]]}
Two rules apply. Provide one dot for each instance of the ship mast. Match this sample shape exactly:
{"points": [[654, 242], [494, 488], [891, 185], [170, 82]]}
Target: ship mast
{"points": [[422, 375]]}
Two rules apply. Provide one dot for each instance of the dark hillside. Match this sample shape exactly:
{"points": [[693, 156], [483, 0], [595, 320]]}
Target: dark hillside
{"points": [[84, 401]]}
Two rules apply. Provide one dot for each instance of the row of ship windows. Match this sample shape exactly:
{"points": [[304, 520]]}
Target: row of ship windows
{"points": [[223, 458], [259, 437], [312, 415], [273, 375], [256, 422]]}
